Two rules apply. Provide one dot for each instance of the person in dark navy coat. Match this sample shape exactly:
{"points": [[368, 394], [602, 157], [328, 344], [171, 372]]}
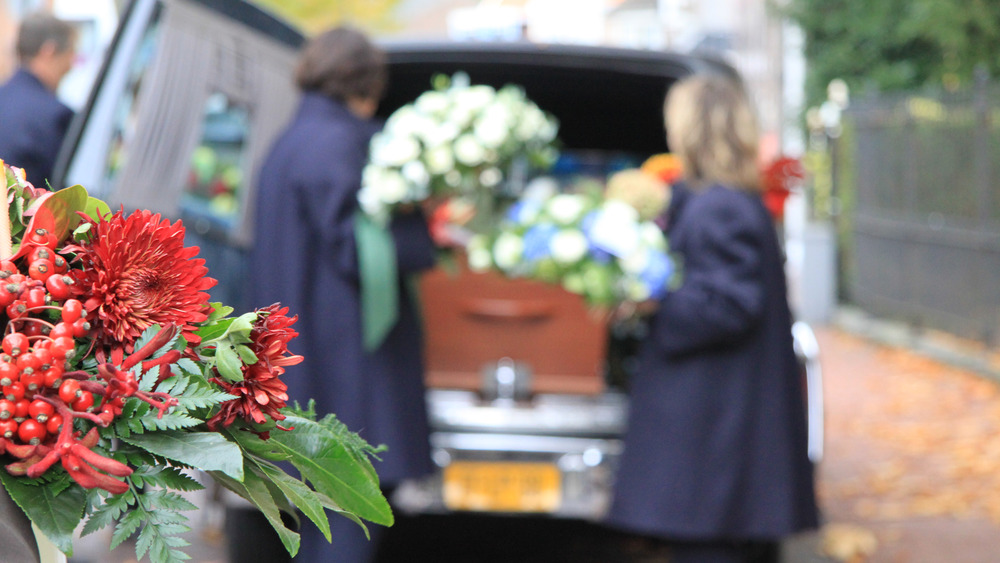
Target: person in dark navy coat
{"points": [[33, 121], [715, 464], [305, 256]]}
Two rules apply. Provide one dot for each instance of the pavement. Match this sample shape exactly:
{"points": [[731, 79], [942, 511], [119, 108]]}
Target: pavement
{"points": [[911, 471]]}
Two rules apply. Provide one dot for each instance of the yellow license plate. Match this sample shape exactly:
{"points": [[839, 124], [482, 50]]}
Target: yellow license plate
{"points": [[502, 486]]}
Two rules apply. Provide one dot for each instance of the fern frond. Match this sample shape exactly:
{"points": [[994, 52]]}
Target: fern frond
{"points": [[169, 421], [168, 477]]}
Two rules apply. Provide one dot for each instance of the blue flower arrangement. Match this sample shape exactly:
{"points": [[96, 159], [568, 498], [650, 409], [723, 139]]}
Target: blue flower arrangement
{"points": [[594, 246]]}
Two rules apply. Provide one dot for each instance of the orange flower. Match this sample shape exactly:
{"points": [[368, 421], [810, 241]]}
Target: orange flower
{"points": [[667, 167]]}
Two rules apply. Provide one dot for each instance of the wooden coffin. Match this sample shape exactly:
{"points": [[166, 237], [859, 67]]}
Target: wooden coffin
{"points": [[473, 320]]}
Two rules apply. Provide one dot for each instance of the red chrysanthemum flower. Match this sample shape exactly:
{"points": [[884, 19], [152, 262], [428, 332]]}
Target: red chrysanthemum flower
{"points": [[135, 272], [261, 393]]}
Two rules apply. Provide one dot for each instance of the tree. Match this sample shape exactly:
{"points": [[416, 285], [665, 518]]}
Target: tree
{"points": [[317, 15], [896, 44]]}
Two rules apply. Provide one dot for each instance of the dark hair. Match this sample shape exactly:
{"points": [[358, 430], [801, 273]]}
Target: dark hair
{"points": [[342, 63], [39, 28]]}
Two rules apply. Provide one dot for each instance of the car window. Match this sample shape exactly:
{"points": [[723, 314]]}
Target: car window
{"points": [[106, 127], [213, 194]]}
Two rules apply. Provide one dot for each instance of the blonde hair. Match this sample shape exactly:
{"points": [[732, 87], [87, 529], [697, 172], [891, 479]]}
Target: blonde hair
{"points": [[711, 127]]}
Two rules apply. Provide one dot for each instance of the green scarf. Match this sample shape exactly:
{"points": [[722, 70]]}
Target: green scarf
{"points": [[379, 280]]}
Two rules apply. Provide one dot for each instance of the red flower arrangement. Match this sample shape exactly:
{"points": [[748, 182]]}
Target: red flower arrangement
{"points": [[119, 376], [136, 273], [778, 179], [261, 394]]}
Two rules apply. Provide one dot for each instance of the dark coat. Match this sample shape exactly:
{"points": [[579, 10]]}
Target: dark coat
{"points": [[33, 123], [716, 443], [305, 257]]}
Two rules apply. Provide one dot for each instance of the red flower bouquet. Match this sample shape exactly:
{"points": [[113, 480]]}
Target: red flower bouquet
{"points": [[119, 377], [778, 179]]}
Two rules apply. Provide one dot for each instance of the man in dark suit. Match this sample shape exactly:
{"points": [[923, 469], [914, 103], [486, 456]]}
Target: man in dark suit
{"points": [[33, 121]]}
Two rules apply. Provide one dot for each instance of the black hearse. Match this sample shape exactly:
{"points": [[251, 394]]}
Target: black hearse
{"points": [[189, 99]]}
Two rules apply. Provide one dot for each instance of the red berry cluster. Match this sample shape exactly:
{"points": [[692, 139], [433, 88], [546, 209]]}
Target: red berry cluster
{"points": [[38, 342], [42, 394]]}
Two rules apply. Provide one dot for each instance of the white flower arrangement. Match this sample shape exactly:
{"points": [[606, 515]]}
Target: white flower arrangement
{"points": [[599, 248], [452, 141]]}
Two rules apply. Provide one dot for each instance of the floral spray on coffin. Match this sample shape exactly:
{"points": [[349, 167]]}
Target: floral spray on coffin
{"points": [[119, 377]]}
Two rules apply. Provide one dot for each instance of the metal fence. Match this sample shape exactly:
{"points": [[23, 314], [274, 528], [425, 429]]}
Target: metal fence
{"points": [[924, 218]]}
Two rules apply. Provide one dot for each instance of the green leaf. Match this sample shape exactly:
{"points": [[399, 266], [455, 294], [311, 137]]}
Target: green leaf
{"points": [[133, 425], [81, 231], [96, 209], [169, 421], [207, 451], [254, 488], [228, 362], [211, 332], [168, 478], [58, 212], [246, 354], [169, 501], [300, 494], [219, 312], [200, 396], [242, 325], [237, 329], [159, 541], [328, 456], [174, 386], [188, 366], [126, 527], [56, 515], [158, 512], [147, 381], [105, 514]]}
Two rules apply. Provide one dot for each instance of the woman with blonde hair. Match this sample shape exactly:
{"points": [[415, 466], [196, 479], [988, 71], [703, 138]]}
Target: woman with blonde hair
{"points": [[715, 467]]}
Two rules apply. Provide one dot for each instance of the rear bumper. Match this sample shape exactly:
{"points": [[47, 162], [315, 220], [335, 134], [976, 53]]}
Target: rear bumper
{"points": [[586, 467], [576, 436]]}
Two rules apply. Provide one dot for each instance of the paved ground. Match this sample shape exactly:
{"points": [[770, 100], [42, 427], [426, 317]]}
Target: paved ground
{"points": [[912, 466], [913, 452]]}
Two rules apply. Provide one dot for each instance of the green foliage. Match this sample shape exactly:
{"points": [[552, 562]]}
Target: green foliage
{"points": [[192, 393], [896, 44], [166, 477], [228, 338], [298, 493], [106, 513], [267, 498], [163, 414], [208, 451], [55, 509], [144, 418], [334, 461], [156, 515], [163, 522]]}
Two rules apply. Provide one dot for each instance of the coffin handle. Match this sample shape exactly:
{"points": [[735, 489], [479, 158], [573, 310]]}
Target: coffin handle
{"points": [[510, 310]]}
